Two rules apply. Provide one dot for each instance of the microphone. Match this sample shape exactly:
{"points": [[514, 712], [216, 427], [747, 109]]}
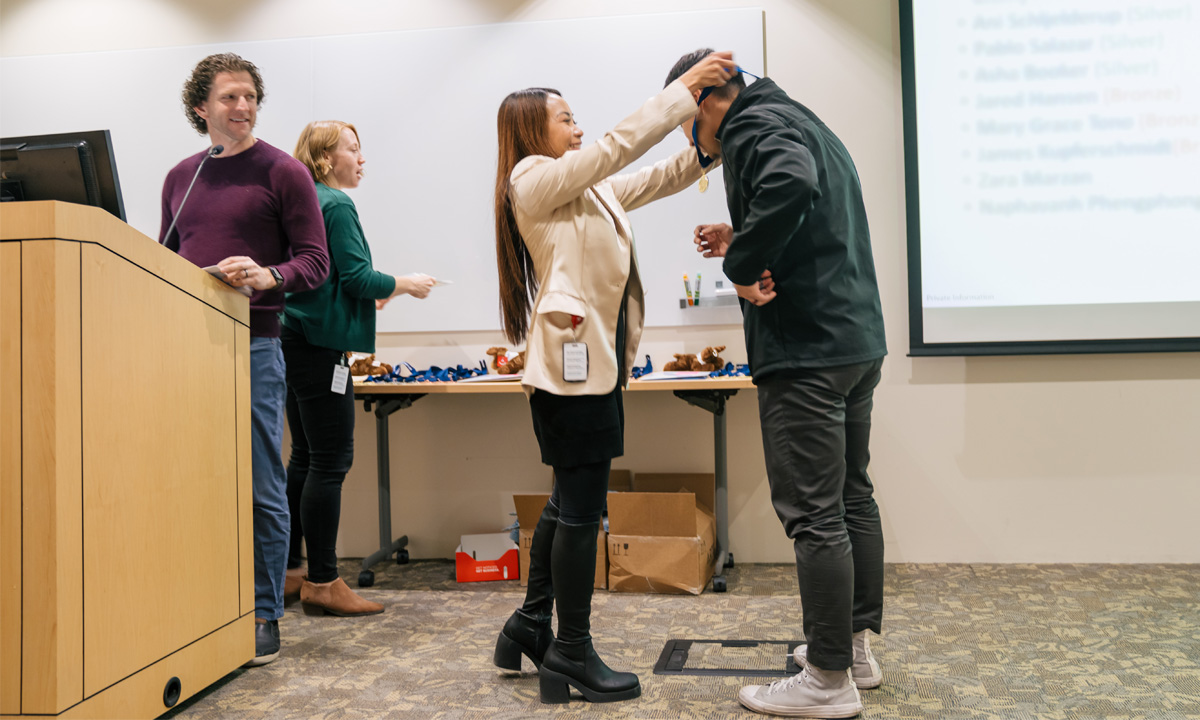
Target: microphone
{"points": [[212, 152]]}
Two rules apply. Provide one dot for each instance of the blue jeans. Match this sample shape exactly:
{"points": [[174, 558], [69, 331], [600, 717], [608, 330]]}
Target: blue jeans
{"points": [[271, 518]]}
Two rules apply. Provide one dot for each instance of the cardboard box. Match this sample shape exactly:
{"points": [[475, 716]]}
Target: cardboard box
{"points": [[529, 509], [486, 557], [662, 536]]}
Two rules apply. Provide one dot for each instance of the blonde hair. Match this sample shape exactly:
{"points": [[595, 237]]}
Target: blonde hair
{"points": [[317, 140]]}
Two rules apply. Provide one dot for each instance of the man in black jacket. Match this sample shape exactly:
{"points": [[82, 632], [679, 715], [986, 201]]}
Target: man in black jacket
{"points": [[799, 254]]}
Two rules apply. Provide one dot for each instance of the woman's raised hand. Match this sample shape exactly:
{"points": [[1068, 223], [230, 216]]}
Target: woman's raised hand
{"points": [[714, 70]]}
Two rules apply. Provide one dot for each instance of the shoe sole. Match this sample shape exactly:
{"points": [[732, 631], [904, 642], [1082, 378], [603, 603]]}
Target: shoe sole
{"points": [[827, 711], [867, 683], [555, 689], [262, 660], [317, 610]]}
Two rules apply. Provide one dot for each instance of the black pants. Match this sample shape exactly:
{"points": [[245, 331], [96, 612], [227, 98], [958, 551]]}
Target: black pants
{"points": [[322, 427], [816, 427]]}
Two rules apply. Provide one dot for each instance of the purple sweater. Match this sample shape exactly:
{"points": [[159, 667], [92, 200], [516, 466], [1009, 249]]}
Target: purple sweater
{"points": [[260, 203]]}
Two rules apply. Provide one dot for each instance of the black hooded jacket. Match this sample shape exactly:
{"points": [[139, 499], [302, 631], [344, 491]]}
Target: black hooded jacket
{"points": [[797, 209]]}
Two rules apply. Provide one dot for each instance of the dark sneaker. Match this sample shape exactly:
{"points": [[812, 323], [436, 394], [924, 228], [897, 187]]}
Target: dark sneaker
{"points": [[266, 642]]}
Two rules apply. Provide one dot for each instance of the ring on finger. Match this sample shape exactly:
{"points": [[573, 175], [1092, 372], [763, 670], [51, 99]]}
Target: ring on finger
{"points": [[245, 272]]}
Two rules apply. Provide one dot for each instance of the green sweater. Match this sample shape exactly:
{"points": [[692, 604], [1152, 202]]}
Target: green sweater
{"points": [[340, 314]]}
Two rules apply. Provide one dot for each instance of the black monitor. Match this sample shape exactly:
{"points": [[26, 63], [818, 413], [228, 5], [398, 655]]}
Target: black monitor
{"points": [[73, 167]]}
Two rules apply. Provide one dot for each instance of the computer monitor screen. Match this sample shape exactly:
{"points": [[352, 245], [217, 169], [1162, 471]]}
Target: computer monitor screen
{"points": [[72, 167]]}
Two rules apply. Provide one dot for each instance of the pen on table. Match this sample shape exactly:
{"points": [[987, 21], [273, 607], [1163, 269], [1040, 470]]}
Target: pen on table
{"points": [[687, 289], [697, 288]]}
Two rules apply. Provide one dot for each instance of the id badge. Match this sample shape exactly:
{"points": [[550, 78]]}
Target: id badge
{"points": [[341, 374], [575, 362]]}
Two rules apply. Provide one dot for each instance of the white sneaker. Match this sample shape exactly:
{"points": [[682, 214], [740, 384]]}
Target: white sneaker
{"points": [[865, 670], [814, 693]]}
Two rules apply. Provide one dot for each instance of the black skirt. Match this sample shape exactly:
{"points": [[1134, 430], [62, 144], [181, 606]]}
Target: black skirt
{"points": [[577, 430]]}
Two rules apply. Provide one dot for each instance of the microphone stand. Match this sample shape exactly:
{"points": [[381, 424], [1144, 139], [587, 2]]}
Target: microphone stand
{"points": [[212, 152]]}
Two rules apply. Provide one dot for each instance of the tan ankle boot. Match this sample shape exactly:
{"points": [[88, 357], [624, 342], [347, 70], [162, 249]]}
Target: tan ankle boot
{"points": [[335, 598], [291, 585]]}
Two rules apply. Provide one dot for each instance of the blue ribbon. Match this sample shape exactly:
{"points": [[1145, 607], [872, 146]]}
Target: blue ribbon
{"points": [[637, 372], [433, 374], [731, 370]]}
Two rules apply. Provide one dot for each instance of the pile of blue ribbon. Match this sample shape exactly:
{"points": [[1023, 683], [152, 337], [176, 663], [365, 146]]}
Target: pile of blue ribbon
{"points": [[731, 370], [637, 372], [433, 374]]}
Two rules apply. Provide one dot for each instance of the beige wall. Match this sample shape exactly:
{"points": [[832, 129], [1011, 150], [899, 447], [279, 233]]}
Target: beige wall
{"points": [[1018, 459]]}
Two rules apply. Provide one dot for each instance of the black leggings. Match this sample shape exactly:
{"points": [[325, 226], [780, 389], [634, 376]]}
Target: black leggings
{"points": [[580, 492], [322, 427]]}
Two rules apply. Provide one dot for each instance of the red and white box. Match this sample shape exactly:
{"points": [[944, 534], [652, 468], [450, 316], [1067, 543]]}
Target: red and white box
{"points": [[486, 557]]}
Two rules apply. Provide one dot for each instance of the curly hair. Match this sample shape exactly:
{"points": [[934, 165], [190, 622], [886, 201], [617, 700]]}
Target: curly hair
{"points": [[199, 85]]}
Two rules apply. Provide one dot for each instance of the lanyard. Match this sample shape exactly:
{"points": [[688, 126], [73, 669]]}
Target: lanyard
{"points": [[705, 160]]}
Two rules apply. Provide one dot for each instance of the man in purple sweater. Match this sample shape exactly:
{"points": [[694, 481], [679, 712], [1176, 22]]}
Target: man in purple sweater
{"points": [[253, 212]]}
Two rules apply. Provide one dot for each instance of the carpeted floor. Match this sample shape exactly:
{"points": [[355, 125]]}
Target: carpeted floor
{"points": [[1044, 642]]}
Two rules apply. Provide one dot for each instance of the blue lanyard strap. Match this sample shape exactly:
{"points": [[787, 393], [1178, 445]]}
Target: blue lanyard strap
{"points": [[703, 159]]}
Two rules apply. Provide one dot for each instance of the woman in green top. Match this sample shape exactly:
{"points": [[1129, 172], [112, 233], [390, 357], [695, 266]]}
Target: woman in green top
{"points": [[319, 326]]}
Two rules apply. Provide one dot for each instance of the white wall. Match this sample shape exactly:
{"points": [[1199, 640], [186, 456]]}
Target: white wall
{"points": [[1018, 459]]}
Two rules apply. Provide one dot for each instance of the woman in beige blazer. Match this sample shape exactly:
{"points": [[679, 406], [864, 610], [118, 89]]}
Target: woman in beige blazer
{"points": [[569, 284]]}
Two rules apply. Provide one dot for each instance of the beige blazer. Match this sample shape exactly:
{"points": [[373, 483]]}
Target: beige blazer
{"points": [[571, 213]]}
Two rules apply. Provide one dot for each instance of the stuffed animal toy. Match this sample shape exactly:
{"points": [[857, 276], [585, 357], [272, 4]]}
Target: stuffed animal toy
{"points": [[514, 365], [505, 365], [497, 353], [686, 361], [367, 366], [711, 358]]}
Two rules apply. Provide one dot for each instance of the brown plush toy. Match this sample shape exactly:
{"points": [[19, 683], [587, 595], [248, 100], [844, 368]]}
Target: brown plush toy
{"points": [[686, 361], [496, 353], [514, 365], [711, 358], [367, 366], [507, 366]]}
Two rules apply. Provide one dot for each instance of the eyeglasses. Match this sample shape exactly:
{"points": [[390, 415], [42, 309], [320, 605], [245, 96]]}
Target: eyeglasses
{"points": [[705, 160]]}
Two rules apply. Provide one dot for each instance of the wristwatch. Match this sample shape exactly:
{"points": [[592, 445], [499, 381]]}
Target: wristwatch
{"points": [[278, 277]]}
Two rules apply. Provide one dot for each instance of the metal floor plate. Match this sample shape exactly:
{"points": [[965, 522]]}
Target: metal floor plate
{"points": [[763, 658]]}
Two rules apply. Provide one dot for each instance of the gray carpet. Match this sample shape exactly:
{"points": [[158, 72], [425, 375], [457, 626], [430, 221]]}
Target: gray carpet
{"points": [[1051, 642]]}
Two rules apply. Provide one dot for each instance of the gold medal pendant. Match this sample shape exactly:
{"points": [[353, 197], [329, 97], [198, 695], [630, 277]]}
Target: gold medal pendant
{"points": [[703, 181]]}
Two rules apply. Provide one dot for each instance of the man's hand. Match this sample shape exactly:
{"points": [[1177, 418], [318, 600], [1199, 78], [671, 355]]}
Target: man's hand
{"points": [[761, 292], [242, 271], [712, 240], [714, 70]]}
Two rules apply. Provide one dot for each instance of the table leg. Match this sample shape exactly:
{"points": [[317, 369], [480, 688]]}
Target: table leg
{"points": [[724, 558], [387, 545], [714, 402]]}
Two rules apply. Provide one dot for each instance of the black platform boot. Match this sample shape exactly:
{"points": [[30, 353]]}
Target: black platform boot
{"points": [[571, 661], [527, 631]]}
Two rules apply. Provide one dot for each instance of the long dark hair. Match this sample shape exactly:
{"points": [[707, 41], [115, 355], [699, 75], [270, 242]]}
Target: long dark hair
{"points": [[522, 129]]}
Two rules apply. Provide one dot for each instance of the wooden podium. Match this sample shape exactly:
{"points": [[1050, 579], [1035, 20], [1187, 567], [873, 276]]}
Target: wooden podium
{"points": [[126, 546]]}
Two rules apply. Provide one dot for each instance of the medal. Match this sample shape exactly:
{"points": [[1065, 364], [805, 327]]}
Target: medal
{"points": [[703, 181]]}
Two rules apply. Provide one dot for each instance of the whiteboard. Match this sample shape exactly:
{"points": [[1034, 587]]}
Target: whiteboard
{"points": [[424, 103]]}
